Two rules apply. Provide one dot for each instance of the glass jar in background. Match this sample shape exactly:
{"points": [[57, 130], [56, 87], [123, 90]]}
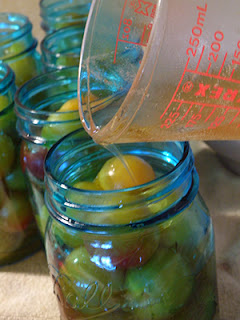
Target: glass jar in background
{"points": [[57, 14], [144, 252], [46, 109], [18, 46], [18, 231], [62, 48]]}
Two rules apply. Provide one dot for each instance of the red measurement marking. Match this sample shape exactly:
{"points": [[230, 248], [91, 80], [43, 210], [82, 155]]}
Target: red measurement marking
{"points": [[225, 57], [209, 66], [176, 89], [200, 59], [214, 76], [143, 34], [138, 44], [226, 111], [187, 112], [207, 104], [143, 7], [119, 29], [235, 117], [232, 74], [179, 106], [210, 114]]}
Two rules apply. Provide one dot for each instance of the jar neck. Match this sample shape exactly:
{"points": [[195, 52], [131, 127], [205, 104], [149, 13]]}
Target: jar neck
{"points": [[171, 192], [15, 36], [52, 8], [37, 101], [7, 80], [61, 13], [62, 47]]}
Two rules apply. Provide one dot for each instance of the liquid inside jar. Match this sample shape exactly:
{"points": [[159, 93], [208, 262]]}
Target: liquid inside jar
{"points": [[134, 269]]}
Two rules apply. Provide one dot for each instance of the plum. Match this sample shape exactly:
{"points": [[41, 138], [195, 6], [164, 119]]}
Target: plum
{"points": [[86, 286], [7, 154], [161, 287], [117, 174], [63, 121]]}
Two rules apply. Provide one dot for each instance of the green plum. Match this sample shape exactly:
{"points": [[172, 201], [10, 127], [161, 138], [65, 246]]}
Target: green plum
{"points": [[16, 180], [25, 68], [42, 219], [67, 236], [71, 19], [7, 116], [16, 212], [14, 49], [63, 121], [24, 65], [7, 154], [125, 250], [4, 102], [203, 302], [161, 287], [10, 241], [87, 287], [189, 232], [67, 61]]}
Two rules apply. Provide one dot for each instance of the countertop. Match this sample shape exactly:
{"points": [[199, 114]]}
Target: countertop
{"points": [[26, 289]]}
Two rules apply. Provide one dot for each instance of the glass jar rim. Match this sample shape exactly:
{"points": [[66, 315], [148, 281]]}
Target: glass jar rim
{"points": [[44, 4], [22, 53], [50, 11], [24, 25], [33, 86], [58, 35], [8, 77], [51, 181]]}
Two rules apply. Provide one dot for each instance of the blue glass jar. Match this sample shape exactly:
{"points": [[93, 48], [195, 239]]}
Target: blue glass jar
{"points": [[18, 231], [144, 252], [18, 46], [41, 122], [62, 48], [57, 14]]}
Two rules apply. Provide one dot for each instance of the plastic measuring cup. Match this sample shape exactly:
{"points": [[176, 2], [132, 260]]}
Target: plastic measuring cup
{"points": [[170, 70]]}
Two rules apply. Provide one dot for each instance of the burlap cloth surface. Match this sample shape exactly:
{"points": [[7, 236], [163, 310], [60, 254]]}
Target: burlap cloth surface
{"points": [[26, 290]]}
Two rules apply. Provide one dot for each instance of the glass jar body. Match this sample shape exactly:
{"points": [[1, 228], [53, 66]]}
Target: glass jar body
{"points": [[40, 125], [159, 266], [18, 231], [62, 48], [18, 47], [60, 14]]}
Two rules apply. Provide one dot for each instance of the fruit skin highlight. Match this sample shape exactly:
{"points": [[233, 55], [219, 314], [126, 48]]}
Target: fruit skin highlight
{"points": [[114, 175]]}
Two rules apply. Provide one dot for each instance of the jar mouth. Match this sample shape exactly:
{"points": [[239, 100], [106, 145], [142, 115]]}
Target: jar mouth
{"points": [[176, 183], [7, 77], [53, 10], [13, 27], [38, 85], [37, 101], [65, 42]]}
